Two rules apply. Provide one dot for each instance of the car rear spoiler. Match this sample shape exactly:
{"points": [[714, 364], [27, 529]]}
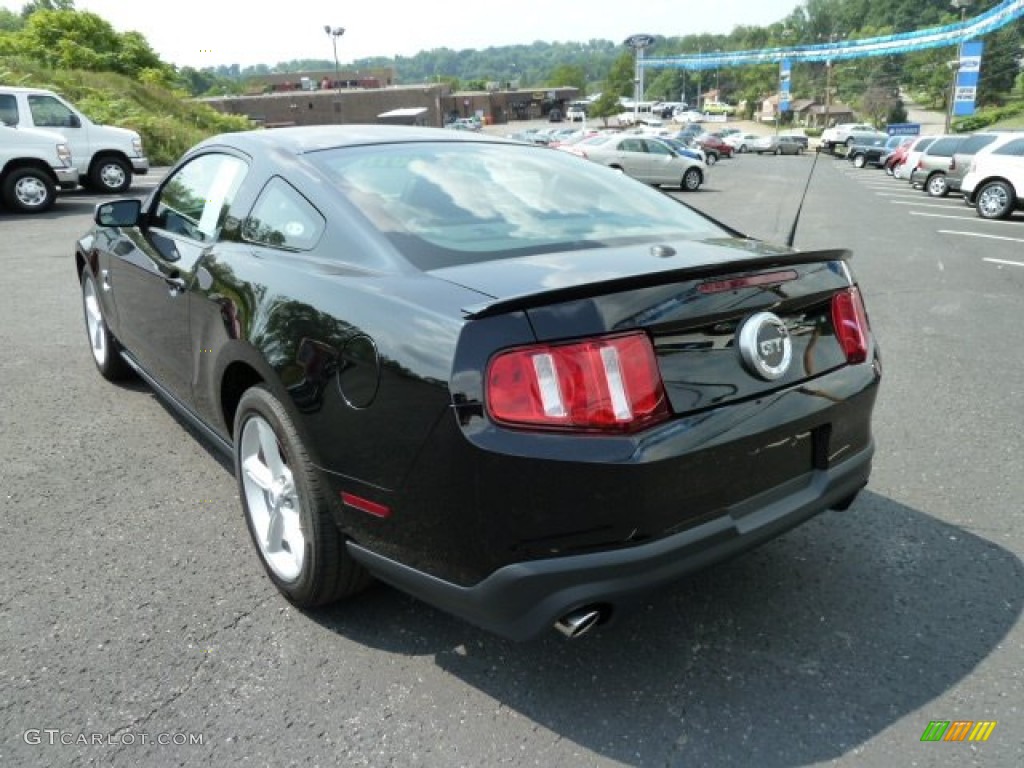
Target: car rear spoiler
{"points": [[647, 280]]}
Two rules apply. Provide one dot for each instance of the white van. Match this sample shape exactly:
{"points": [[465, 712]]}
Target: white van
{"points": [[105, 156], [33, 164]]}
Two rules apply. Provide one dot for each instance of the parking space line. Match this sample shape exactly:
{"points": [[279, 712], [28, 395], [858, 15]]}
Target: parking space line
{"points": [[980, 234], [963, 218], [945, 206], [1004, 261], [908, 195]]}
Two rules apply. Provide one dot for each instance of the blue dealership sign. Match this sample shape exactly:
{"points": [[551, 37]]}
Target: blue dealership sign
{"points": [[785, 73], [903, 129], [967, 79]]}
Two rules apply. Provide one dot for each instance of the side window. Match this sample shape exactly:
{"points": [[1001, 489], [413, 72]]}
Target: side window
{"points": [[47, 112], [1011, 148], [657, 148], [632, 145], [195, 200], [8, 109], [283, 218]]}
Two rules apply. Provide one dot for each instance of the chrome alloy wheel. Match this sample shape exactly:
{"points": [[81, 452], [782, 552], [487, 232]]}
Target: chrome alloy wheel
{"points": [[31, 192], [94, 323], [112, 176], [993, 201], [273, 503]]}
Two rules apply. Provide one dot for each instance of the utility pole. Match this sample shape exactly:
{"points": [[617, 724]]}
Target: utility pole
{"points": [[955, 65]]}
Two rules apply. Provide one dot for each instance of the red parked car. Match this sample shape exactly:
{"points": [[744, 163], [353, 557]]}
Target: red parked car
{"points": [[895, 158], [714, 147]]}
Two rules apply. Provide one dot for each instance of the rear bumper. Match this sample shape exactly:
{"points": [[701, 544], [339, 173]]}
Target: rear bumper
{"points": [[521, 600], [140, 166]]}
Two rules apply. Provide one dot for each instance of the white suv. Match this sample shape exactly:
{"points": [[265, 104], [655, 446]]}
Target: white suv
{"points": [[33, 164], [106, 156], [994, 185]]}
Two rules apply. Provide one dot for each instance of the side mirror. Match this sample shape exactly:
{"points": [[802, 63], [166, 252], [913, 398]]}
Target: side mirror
{"points": [[74, 121], [118, 213]]}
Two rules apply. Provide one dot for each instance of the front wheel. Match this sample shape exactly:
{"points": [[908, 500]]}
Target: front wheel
{"points": [[106, 351], [29, 190], [712, 158], [110, 175], [286, 507], [859, 161], [691, 180], [995, 200]]}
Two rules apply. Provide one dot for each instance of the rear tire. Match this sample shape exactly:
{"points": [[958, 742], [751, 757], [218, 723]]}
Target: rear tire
{"points": [[712, 158], [995, 200], [286, 507], [110, 175], [859, 161], [29, 190], [936, 186]]}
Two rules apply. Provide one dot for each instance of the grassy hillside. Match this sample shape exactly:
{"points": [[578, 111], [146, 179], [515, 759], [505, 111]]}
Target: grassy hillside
{"points": [[169, 124]]}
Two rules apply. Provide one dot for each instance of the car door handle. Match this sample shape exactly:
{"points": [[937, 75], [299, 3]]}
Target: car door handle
{"points": [[176, 284]]}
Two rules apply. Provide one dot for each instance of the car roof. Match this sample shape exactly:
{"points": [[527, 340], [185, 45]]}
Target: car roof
{"points": [[302, 139], [20, 89]]}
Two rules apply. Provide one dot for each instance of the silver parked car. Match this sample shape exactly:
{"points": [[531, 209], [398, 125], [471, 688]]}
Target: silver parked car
{"points": [[645, 158]]}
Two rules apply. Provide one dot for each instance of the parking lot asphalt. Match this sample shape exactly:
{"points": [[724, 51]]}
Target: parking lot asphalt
{"points": [[132, 606]]}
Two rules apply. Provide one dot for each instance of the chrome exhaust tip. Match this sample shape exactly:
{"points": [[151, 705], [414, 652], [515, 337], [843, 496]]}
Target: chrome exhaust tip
{"points": [[577, 623]]}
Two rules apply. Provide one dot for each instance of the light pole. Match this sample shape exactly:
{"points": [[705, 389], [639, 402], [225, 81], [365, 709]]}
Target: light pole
{"points": [[334, 33], [639, 43]]}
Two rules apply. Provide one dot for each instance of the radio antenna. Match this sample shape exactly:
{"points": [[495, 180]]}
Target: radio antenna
{"points": [[803, 197]]}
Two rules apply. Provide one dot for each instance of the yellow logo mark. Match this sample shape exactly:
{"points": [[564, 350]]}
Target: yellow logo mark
{"points": [[982, 730]]}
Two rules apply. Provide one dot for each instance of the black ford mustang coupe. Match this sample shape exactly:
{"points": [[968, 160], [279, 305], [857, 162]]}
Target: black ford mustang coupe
{"points": [[515, 384]]}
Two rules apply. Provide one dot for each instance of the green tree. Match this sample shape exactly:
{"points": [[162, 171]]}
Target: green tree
{"points": [[69, 40], [47, 5], [666, 86], [572, 75], [10, 21], [1000, 64], [606, 105]]}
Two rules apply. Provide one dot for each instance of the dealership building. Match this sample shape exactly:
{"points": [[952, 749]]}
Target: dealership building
{"points": [[371, 96]]}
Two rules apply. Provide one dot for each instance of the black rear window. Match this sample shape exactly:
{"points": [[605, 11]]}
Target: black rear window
{"points": [[443, 204], [1013, 148], [972, 144], [944, 147]]}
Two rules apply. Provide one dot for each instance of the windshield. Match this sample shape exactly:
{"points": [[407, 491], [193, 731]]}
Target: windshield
{"points": [[443, 204]]}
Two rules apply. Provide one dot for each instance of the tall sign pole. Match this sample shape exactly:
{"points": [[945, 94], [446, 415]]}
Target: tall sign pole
{"points": [[639, 43]]}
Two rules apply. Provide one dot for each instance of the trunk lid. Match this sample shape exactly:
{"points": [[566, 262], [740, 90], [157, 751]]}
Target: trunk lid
{"points": [[692, 298]]}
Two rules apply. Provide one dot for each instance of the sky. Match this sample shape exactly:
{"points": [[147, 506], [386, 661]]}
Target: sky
{"points": [[208, 33]]}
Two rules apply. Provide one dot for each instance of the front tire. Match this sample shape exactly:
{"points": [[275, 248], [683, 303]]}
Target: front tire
{"points": [[691, 180], [859, 161], [29, 190], [110, 175], [286, 507], [712, 158], [106, 351], [995, 200]]}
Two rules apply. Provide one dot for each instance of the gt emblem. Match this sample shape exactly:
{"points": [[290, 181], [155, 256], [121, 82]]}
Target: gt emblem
{"points": [[765, 346]]}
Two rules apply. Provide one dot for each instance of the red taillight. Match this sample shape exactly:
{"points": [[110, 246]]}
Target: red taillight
{"points": [[851, 323], [601, 384]]}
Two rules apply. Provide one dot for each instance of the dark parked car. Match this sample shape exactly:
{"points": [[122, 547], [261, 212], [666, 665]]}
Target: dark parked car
{"points": [[873, 151], [520, 386]]}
